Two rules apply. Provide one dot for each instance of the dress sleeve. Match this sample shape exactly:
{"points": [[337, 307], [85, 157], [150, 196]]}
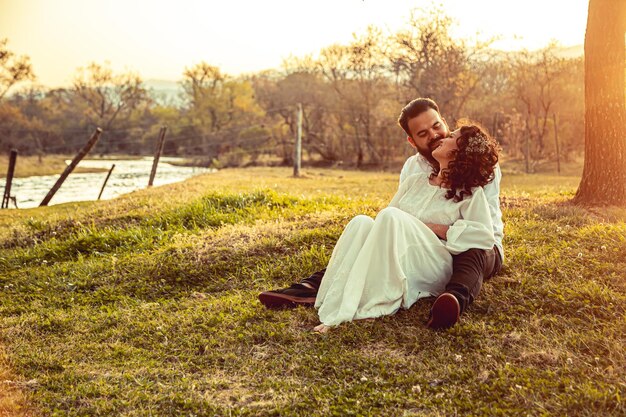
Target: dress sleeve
{"points": [[474, 229], [492, 192]]}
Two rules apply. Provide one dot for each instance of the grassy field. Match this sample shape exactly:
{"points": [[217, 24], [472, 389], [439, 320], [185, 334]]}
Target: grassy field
{"points": [[146, 305]]}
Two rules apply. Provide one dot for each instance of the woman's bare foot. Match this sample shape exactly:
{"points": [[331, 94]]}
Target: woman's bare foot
{"points": [[321, 328]]}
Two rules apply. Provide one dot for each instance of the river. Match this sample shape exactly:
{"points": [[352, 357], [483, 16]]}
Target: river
{"points": [[128, 175]]}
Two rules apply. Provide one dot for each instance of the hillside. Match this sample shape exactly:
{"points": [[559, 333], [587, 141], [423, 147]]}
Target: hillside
{"points": [[146, 305]]}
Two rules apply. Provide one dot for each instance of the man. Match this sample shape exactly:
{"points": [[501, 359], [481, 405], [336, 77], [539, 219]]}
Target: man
{"points": [[425, 128]]}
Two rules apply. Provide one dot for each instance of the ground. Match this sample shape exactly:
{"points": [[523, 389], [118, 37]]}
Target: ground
{"points": [[146, 305]]}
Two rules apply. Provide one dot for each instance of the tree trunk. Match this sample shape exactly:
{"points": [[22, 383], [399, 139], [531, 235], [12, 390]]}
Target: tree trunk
{"points": [[604, 174]]}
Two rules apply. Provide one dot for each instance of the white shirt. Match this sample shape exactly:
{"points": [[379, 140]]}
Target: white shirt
{"points": [[469, 220], [418, 164]]}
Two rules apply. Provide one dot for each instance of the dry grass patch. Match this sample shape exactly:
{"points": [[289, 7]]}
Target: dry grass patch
{"points": [[13, 401]]}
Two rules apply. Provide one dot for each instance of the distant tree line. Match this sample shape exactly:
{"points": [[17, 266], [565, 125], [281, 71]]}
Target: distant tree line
{"points": [[350, 94]]}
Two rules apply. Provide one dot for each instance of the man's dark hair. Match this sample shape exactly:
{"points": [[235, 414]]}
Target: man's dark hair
{"points": [[414, 109]]}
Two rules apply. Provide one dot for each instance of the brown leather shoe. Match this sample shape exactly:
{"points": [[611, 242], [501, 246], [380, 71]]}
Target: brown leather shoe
{"points": [[445, 312], [293, 296]]}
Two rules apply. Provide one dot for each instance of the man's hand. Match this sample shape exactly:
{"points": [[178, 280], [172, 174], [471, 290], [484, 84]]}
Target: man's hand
{"points": [[439, 229]]}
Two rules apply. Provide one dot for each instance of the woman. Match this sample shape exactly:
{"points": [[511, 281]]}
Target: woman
{"points": [[381, 265]]}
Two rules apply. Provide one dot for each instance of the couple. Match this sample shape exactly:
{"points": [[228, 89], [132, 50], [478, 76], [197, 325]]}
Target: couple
{"points": [[441, 235]]}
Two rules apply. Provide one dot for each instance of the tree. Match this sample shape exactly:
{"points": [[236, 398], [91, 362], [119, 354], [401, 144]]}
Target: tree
{"points": [[12, 69], [358, 74], [279, 95], [536, 83], [604, 174], [34, 133], [108, 97], [219, 108], [428, 62], [14, 125]]}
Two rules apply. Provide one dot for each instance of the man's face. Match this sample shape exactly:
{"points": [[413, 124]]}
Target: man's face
{"points": [[427, 129]]}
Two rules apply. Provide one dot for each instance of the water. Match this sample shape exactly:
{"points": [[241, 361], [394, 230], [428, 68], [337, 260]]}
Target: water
{"points": [[128, 175]]}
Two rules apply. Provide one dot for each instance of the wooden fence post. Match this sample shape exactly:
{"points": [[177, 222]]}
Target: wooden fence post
{"points": [[80, 155], [556, 142], [9, 180], [105, 181], [527, 153], [297, 160], [157, 155]]}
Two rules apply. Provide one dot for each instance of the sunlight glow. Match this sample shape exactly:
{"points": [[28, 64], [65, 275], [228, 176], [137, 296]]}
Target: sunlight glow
{"points": [[159, 39]]}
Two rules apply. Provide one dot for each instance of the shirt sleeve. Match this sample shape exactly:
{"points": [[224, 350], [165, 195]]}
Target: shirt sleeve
{"points": [[405, 170], [404, 187], [474, 230]]}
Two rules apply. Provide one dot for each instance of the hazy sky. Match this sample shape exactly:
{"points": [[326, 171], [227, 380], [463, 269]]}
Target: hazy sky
{"points": [[158, 39]]}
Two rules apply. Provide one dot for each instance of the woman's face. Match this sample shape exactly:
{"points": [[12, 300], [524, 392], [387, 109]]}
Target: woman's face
{"points": [[443, 153]]}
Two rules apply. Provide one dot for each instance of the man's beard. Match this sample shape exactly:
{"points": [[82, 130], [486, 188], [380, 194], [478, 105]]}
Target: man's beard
{"points": [[427, 153]]}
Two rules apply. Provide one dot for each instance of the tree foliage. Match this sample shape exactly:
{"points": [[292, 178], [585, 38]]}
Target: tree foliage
{"points": [[13, 69], [350, 94], [108, 97]]}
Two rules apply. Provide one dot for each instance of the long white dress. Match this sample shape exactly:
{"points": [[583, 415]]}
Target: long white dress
{"points": [[380, 265]]}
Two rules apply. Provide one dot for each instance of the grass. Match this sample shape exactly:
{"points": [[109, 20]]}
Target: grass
{"points": [[146, 305]]}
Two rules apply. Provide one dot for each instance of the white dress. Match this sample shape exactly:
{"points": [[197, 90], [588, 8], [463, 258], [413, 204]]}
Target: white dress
{"points": [[418, 164], [380, 265]]}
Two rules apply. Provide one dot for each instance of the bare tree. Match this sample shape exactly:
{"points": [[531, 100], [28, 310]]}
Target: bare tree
{"points": [[13, 69], [604, 174], [280, 93], [428, 62], [358, 74], [108, 97], [536, 79]]}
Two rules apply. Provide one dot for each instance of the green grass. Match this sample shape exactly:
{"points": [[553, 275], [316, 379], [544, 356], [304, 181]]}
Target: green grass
{"points": [[146, 305]]}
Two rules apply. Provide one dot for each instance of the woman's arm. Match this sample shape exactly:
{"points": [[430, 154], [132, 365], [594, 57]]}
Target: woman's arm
{"points": [[441, 230], [475, 228]]}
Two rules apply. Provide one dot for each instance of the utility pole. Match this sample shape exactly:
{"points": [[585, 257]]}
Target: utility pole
{"points": [[527, 147], [297, 160], [556, 143]]}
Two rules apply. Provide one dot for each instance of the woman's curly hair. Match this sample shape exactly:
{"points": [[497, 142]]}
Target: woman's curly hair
{"points": [[473, 164]]}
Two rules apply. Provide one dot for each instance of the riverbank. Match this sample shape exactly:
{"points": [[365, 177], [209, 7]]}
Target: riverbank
{"points": [[148, 302], [128, 175], [28, 166]]}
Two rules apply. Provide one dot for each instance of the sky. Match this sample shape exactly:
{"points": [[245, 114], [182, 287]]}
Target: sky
{"points": [[159, 39]]}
